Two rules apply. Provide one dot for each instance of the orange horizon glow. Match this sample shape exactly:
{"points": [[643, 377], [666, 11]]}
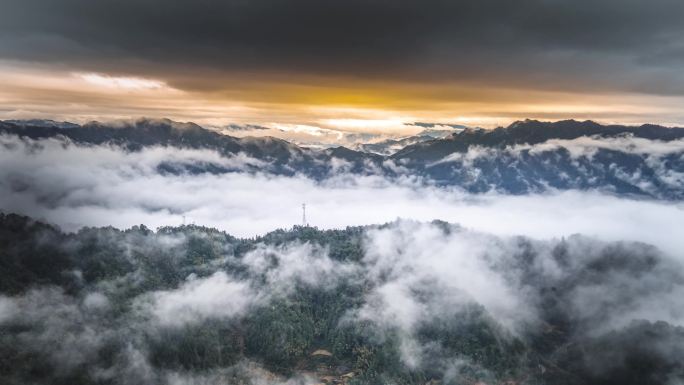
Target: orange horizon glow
{"points": [[326, 104]]}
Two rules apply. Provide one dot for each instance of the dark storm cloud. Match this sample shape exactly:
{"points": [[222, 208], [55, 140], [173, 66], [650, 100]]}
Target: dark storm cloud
{"points": [[606, 45]]}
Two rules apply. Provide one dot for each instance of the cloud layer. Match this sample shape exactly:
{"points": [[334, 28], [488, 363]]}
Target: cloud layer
{"points": [[629, 45], [299, 63], [76, 186]]}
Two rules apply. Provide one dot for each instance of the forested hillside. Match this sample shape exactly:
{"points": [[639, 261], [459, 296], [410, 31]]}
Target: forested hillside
{"points": [[401, 303]]}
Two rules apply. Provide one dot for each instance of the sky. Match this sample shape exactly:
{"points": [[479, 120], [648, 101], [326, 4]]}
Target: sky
{"points": [[353, 66]]}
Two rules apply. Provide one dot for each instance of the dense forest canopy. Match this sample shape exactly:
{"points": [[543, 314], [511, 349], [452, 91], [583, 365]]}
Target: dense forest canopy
{"points": [[402, 303]]}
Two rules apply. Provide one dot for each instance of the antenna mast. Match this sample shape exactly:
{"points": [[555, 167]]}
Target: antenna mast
{"points": [[303, 214]]}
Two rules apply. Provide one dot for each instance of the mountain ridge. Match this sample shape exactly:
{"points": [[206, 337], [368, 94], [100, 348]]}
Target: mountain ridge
{"points": [[165, 131], [533, 132], [528, 156]]}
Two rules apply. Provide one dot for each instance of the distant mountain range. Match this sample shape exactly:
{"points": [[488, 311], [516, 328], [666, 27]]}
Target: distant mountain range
{"points": [[533, 132], [42, 123], [527, 156], [391, 146]]}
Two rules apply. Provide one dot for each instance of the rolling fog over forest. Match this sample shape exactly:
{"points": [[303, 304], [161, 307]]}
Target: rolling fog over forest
{"points": [[341, 192], [138, 253], [406, 302]]}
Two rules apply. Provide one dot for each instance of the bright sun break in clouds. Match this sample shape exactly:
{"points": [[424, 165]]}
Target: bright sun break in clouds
{"points": [[364, 124]]}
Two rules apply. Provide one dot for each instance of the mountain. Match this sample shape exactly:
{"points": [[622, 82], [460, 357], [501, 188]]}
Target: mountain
{"points": [[361, 305], [531, 132], [280, 156], [42, 123], [527, 156], [390, 146], [440, 134], [532, 156]]}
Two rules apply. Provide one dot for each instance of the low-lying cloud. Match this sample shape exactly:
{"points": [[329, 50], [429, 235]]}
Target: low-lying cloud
{"points": [[412, 277], [216, 296], [186, 305], [75, 186]]}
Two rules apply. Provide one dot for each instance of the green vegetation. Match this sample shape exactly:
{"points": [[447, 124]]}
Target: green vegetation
{"points": [[70, 339]]}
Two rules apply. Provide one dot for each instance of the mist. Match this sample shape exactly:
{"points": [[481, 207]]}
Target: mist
{"points": [[75, 186], [168, 301], [393, 275]]}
